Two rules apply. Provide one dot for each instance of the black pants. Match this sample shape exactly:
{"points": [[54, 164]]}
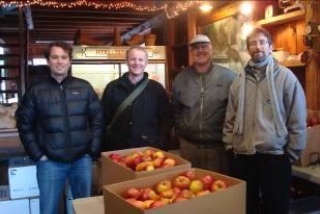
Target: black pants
{"points": [[268, 180]]}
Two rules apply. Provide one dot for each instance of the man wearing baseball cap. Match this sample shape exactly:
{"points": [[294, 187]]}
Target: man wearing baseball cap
{"points": [[200, 96]]}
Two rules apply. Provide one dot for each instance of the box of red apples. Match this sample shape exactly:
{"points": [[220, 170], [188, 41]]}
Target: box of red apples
{"points": [[182, 191], [128, 164], [312, 151]]}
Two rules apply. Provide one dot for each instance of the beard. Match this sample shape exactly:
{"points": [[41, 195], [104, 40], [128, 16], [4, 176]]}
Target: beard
{"points": [[257, 57]]}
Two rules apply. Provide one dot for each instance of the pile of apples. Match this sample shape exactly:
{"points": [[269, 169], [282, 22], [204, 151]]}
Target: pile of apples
{"points": [[180, 188], [147, 160]]}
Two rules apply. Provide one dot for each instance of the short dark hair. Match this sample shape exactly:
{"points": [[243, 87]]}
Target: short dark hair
{"points": [[257, 30], [65, 46], [137, 47]]}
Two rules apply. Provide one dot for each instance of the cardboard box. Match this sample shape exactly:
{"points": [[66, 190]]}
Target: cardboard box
{"points": [[20, 206], [312, 151], [22, 175], [34, 204], [4, 193], [228, 201], [89, 205], [112, 172]]}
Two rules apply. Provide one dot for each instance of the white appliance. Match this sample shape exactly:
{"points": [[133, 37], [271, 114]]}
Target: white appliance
{"points": [[102, 64]]}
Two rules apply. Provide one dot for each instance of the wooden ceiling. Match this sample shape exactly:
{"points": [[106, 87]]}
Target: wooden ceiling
{"points": [[92, 25], [95, 25]]}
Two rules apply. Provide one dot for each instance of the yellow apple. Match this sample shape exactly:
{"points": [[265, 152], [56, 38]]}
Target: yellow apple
{"points": [[158, 154], [163, 186], [196, 186]]}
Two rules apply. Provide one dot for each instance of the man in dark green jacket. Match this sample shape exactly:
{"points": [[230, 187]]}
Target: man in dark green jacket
{"points": [[200, 96]]}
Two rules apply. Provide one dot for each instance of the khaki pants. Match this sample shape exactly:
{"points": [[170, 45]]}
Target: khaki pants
{"points": [[213, 158]]}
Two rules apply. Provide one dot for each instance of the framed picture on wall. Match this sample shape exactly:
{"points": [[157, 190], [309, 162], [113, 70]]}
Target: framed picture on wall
{"points": [[228, 46]]}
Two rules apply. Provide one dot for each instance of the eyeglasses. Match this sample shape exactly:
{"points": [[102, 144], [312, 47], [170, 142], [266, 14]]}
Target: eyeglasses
{"points": [[258, 42], [203, 46]]}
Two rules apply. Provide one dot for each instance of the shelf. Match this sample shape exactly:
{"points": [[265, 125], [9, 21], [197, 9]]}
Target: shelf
{"points": [[8, 66], [180, 45], [281, 19], [9, 78], [7, 56], [292, 63], [10, 45]]}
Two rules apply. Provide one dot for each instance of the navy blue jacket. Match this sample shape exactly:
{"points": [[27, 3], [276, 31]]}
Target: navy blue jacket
{"points": [[60, 120]]}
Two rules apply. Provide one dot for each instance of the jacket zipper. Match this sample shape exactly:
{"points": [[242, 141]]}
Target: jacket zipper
{"points": [[65, 119], [201, 106]]}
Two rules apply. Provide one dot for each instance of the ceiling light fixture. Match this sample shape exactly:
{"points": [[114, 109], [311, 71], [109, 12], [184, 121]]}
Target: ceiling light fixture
{"points": [[205, 7], [246, 8]]}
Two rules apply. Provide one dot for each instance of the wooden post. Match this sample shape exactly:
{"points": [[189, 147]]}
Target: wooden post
{"points": [[191, 28], [313, 67]]}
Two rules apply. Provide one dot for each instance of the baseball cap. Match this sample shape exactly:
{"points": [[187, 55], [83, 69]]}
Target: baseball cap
{"points": [[200, 38]]}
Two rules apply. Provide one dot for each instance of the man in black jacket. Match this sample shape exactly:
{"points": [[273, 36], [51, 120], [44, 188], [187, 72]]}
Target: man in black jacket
{"points": [[148, 120], [60, 124]]}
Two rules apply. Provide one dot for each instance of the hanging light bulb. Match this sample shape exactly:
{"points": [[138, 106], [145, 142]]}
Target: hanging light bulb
{"points": [[205, 7], [246, 8]]}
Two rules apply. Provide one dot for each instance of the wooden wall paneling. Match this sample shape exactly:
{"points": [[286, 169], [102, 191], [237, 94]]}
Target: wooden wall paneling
{"points": [[301, 26], [288, 36], [221, 13]]}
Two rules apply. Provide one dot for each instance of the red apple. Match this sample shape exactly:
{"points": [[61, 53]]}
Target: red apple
{"points": [[150, 166], [128, 160], [203, 192], [178, 199], [141, 166], [218, 185], [115, 157], [163, 186], [157, 162], [176, 192], [196, 186], [207, 181], [185, 193], [167, 193], [148, 193], [139, 204], [130, 199], [148, 153], [158, 203], [168, 162], [132, 193], [190, 174], [181, 181], [135, 162], [148, 202], [165, 200]]}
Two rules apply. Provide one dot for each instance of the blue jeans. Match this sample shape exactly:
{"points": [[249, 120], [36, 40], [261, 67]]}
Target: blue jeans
{"points": [[52, 177]]}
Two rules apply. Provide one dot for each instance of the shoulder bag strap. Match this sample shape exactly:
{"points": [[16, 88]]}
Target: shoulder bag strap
{"points": [[128, 101]]}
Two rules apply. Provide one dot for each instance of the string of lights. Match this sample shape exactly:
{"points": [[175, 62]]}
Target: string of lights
{"points": [[172, 8]]}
